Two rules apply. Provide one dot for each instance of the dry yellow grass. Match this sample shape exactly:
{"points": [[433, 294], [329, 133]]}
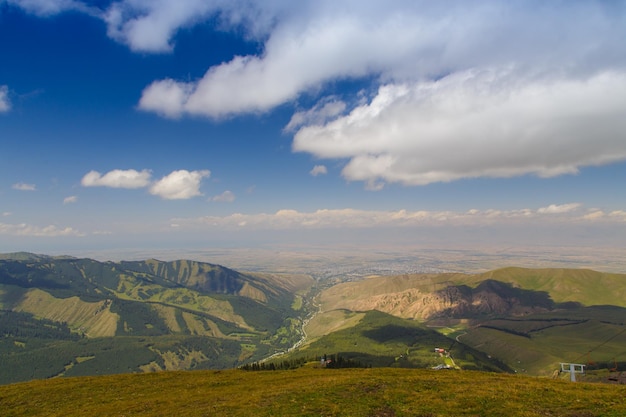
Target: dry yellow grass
{"points": [[313, 392], [94, 319], [252, 292]]}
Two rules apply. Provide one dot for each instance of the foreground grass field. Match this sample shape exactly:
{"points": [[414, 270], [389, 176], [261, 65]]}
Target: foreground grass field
{"points": [[312, 392]]}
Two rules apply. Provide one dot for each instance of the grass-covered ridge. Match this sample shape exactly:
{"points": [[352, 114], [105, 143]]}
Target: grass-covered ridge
{"points": [[529, 319], [578, 285], [313, 392]]}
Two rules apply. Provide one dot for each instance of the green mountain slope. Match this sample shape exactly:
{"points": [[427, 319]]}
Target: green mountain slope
{"points": [[579, 285], [154, 311], [379, 339], [62, 316], [529, 319]]}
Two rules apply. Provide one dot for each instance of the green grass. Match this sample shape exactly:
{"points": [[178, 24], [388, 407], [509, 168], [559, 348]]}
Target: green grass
{"points": [[382, 340], [297, 303], [536, 344], [313, 392], [40, 359], [581, 285]]}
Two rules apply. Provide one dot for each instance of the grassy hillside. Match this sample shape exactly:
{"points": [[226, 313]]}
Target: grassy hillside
{"points": [[377, 339], [139, 316], [313, 392], [529, 319], [537, 344], [579, 285]]}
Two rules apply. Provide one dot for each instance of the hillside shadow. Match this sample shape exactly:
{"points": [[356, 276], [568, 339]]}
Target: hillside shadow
{"points": [[11, 296], [393, 332], [494, 297], [509, 292]]}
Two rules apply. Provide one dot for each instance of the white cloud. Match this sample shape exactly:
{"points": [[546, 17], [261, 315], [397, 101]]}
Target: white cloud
{"points": [[148, 25], [24, 229], [5, 104], [226, 197], [179, 185], [24, 187], [118, 178], [318, 170], [308, 44], [326, 109], [558, 209], [490, 123], [71, 199], [6, 214], [165, 98]]}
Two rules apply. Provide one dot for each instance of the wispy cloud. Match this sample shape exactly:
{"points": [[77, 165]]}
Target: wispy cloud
{"points": [[118, 178], [619, 215], [226, 197], [24, 229], [70, 200], [24, 187], [179, 185], [354, 218], [600, 215], [318, 170], [148, 26], [45, 8], [328, 108], [5, 104]]}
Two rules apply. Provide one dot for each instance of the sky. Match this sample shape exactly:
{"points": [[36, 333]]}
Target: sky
{"points": [[190, 123]]}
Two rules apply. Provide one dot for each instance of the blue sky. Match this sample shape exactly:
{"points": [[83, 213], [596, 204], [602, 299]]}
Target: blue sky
{"points": [[189, 123]]}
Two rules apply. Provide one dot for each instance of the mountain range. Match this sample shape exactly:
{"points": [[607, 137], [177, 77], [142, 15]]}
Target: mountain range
{"points": [[65, 316]]}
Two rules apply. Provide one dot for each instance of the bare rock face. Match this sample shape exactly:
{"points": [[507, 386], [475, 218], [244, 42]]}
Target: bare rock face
{"points": [[457, 301], [490, 297]]}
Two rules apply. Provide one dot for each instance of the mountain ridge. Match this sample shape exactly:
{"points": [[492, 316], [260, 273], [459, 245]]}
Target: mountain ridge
{"points": [[162, 315], [188, 314]]}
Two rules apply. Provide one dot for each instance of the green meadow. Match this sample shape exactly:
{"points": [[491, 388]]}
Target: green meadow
{"points": [[311, 391]]}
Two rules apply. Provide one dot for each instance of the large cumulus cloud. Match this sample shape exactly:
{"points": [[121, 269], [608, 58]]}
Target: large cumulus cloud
{"points": [[488, 123], [453, 89], [461, 90]]}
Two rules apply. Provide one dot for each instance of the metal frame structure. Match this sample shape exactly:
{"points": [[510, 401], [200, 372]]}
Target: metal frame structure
{"points": [[573, 369]]}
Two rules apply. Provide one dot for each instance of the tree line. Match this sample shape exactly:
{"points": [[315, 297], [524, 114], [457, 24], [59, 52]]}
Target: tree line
{"points": [[335, 361]]}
